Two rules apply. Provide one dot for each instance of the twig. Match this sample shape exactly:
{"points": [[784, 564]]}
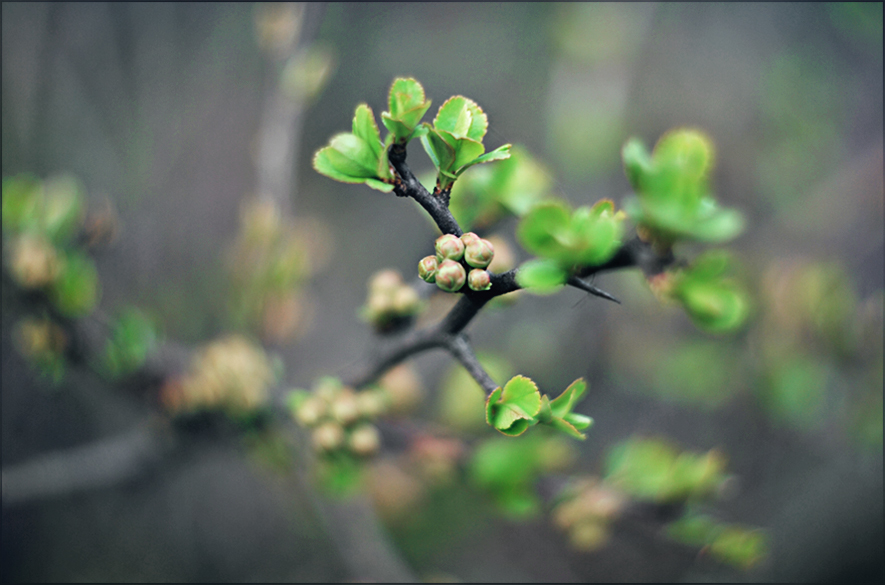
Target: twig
{"points": [[102, 464]]}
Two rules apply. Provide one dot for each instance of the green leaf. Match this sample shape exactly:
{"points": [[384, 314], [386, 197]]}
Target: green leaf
{"points": [[567, 427], [440, 152], [685, 152], [347, 158], [673, 198], [479, 122], [365, 127], [76, 290], [22, 199], [455, 117], [62, 207], [500, 153], [565, 402], [637, 163], [512, 410], [541, 229], [741, 547], [132, 339], [407, 106], [559, 413], [587, 236], [714, 302], [579, 421], [466, 152], [462, 401], [541, 277]]}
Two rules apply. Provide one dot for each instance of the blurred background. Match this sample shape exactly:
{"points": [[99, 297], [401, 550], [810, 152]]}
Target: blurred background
{"points": [[156, 109]]}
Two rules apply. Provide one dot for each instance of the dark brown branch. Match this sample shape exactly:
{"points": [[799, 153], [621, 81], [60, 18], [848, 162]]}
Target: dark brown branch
{"points": [[409, 186], [102, 464], [461, 349]]}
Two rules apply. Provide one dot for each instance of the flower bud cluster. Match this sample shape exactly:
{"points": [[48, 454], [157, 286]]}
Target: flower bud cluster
{"points": [[586, 512], [35, 261], [43, 343], [339, 417], [454, 258], [391, 302], [231, 374]]}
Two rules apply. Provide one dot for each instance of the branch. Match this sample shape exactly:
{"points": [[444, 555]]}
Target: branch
{"points": [[461, 349], [409, 186], [633, 253], [102, 464]]}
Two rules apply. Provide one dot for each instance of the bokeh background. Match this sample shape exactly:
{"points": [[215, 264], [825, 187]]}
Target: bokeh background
{"points": [[155, 107]]}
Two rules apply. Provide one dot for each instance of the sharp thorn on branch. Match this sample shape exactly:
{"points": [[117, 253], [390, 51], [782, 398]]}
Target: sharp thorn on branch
{"points": [[589, 288]]}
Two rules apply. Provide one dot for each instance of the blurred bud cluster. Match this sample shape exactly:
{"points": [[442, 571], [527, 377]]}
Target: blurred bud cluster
{"points": [[339, 418], [391, 303], [232, 375], [41, 223], [270, 261]]}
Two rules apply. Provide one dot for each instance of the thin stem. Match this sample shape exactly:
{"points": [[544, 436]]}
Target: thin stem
{"points": [[461, 349], [409, 186]]}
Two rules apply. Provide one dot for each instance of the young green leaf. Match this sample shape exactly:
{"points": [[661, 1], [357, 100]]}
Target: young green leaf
{"points": [[454, 143], [512, 409], [364, 127], [585, 237], [541, 277], [357, 157], [714, 302], [76, 290], [407, 106], [673, 198]]}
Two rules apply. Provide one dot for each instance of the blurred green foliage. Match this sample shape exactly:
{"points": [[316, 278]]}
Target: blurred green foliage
{"points": [[133, 337], [655, 470], [507, 469]]}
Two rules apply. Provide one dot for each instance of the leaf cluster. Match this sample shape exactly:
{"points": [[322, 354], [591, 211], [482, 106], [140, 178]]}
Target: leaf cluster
{"points": [[520, 405], [673, 200], [453, 141]]}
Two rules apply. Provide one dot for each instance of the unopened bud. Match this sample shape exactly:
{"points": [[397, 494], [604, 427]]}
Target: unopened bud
{"points": [[427, 268], [310, 411], [385, 282], [372, 403], [450, 276], [469, 238], [35, 262], [328, 436], [345, 408], [449, 247], [479, 253], [364, 440], [405, 301], [479, 279]]}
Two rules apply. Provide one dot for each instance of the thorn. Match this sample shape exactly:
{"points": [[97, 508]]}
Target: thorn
{"points": [[589, 288]]}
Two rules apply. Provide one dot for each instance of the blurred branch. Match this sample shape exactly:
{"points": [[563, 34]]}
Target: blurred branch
{"points": [[105, 463], [282, 115]]}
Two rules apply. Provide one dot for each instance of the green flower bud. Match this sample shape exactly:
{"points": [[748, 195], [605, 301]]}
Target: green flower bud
{"points": [[405, 301], [449, 247], [311, 411], [328, 436], [469, 238], [385, 282], [345, 407], [372, 403], [364, 440], [427, 268], [479, 253], [450, 276], [35, 262], [479, 279]]}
